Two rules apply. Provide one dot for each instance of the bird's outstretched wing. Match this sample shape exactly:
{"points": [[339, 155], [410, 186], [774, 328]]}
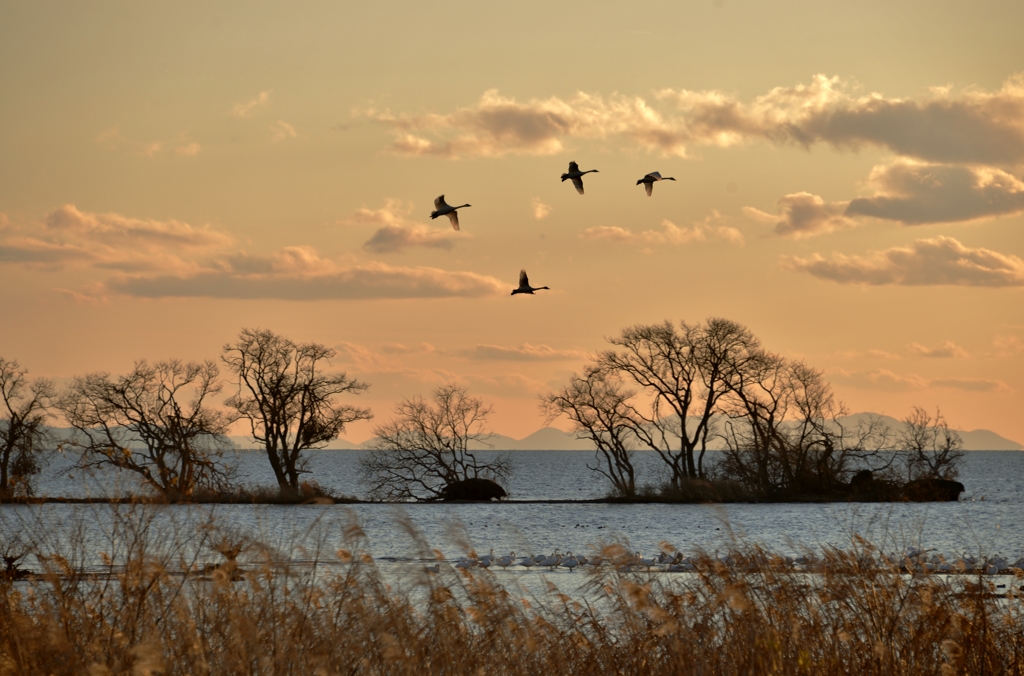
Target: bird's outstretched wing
{"points": [[454, 218], [578, 182], [573, 167], [439, 202], [656, 175], [523, 279], [649, 187]]}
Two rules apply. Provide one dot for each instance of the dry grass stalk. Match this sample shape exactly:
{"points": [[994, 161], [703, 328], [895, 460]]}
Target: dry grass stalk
{"points": [[157, 610]]}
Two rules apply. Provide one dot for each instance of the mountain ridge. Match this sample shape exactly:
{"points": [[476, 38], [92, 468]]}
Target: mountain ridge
{"points": [[553, 439]]}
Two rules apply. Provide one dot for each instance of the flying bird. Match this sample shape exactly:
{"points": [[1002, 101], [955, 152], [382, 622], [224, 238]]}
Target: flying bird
{"points": [[524, 285], [576, 176], [442, 208], [649, 180]]}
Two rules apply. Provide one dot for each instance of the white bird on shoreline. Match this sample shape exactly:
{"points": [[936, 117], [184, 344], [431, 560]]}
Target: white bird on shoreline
{"points": [[576, 176], [569, 562], [524, 285], [442, 208], [649, 181], [551, 562]]}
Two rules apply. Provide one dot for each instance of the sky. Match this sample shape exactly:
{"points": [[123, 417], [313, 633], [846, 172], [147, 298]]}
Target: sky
{"points": [[849, 185]]}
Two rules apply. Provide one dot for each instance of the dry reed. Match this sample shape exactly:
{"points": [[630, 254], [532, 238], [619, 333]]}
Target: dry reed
{"points": [[152, 607]]}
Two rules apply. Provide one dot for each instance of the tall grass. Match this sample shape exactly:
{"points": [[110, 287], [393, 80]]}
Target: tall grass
{"points": [[217, 601]]}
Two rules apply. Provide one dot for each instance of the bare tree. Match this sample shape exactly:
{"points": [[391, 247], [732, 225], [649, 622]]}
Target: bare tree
{"points": [[289, 398], [931, 449], [426, 447], [23, 433], [155, 422], [684, 373], [785, 436], [599, 408]]}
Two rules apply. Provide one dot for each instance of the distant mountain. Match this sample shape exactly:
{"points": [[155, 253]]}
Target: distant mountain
{"points": [[551, 439], [244, 443], [974, 440]]}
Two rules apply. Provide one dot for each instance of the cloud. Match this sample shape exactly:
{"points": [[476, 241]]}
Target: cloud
{"points": [[180, 145], [112, 136], [399, 348], [803, 215], [885, 380], [926, 262], [246, 108], [399, 233], [395, 238], [1008, 345], [110, 241], [283, 131], [156, 259], [670, 234], [947, 350], [873, 353], [113, 228], [914, 193], [972, 384], [190, 150], [367, 281], [525, 352], [499, 125], [971, 126], [540, 210]]}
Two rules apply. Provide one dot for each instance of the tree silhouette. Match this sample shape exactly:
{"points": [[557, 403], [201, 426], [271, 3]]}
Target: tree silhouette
{"points": [[289, 399]]}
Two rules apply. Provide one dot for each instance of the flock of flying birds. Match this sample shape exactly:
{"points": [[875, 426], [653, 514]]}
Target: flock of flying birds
{"points": [[442, 208]]}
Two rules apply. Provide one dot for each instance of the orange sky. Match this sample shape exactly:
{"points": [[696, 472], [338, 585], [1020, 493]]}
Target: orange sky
{"points": [[850, 185]]}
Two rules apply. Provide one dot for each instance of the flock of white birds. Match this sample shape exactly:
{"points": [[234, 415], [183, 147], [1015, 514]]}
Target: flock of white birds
{"points": [[913, 561], [442, 208]]}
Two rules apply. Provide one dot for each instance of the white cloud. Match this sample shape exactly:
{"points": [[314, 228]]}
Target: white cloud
{"points": [[282, 131], [914, 193], [885, 380], [1008, 345], [970, 126], [395, 238], [936, 261], [155, 259], [367, 281], [398, 232], [525, 352], [803, 215], [110, 241], [499, 125], [399, 348], [246, 108], [670, 234], [947, 350], [189, 150], [540, 210]]}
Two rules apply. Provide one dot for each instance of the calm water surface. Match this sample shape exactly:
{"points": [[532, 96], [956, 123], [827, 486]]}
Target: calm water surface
{"points": [[988, 520]]}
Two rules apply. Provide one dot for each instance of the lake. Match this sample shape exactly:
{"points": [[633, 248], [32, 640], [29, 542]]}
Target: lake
{"points": [[988, 520]]}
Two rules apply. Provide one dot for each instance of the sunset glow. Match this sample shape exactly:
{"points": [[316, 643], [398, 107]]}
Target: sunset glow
{"points": [[849, 185]]}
